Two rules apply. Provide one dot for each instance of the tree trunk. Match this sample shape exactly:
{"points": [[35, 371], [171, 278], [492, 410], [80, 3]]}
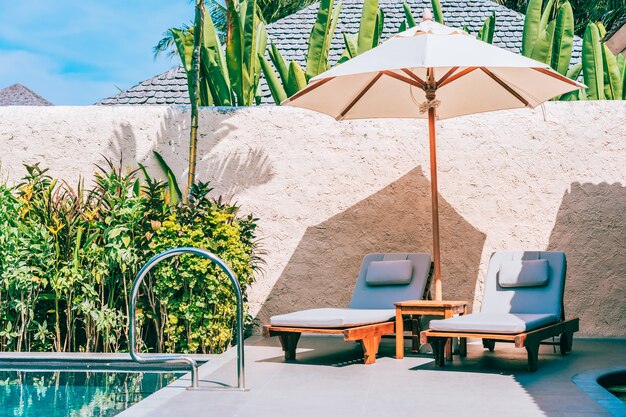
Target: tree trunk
{"points": [[195, 94]]}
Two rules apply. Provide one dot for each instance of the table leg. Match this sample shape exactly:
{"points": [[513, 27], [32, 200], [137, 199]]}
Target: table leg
{"points": [[449, 349], [415, 334], [463, 347], [462, 341], [446, 315], [399, 334]]}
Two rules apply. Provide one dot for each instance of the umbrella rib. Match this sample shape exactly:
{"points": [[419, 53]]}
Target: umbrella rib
{"points": [[505, 86], [402, 78], [448, 74], [457, 76], [309, 88], [361, 94], [557, 76], [415, 77]]}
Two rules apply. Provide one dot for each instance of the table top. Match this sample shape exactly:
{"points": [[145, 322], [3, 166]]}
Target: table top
{"points": [[430, 303]]}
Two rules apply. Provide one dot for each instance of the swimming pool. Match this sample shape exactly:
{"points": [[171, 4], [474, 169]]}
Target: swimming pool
{"points": [[75, 393]]}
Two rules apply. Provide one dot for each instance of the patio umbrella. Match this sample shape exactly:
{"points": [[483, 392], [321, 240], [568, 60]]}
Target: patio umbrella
{"points": [[431, 71]]}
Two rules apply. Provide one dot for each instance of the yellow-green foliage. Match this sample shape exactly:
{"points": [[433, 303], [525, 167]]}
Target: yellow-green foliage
{"points": [[69, 257]]}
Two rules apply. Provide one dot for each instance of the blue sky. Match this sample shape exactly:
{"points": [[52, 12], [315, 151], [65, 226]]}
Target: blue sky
{"points": [[75, 52]]}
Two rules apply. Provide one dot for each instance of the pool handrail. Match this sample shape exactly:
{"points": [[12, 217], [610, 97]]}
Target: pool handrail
{"points": [[176, 358]]}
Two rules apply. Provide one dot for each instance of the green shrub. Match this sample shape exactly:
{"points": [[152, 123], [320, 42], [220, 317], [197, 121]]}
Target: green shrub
{"points": [[69, 257]]}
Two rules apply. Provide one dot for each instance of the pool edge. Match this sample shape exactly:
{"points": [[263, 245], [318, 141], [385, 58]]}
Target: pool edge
{"points": [[588, 382]]}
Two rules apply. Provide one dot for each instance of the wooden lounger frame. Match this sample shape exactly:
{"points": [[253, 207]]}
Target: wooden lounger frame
{"points": [[529, 340], [369, 336]]}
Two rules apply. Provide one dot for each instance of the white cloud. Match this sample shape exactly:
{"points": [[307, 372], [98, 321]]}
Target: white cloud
{"points": [[76, 52]]}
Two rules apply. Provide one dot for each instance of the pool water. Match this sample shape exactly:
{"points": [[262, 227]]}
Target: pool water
{"points": [[84, 394], [619, 391]]}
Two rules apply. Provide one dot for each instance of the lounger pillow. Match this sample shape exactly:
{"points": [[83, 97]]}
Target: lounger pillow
{"points": [[523, 273], [389, 272]]}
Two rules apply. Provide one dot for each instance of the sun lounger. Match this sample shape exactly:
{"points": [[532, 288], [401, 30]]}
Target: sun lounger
{"points": [[383, 280], [522, 303]]}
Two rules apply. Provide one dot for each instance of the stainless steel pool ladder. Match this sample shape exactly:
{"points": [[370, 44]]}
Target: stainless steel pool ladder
{"points": [[175, 358]]}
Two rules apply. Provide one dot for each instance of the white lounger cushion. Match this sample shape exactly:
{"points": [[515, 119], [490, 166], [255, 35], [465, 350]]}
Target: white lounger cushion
{"points": [[493, 323], [333, 317]]}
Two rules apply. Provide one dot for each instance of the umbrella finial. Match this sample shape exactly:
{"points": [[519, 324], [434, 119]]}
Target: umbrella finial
{"points": [[427, 16]]}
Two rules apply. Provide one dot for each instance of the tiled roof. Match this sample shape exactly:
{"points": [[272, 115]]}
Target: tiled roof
{"points": [[18, 95], [291, 35], [169, 87]]}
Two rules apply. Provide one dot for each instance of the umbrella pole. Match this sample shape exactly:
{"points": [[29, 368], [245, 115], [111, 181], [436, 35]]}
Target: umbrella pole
{"points": [[434, 201]]}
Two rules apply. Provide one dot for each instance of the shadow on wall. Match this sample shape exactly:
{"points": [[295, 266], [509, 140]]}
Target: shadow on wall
{"points": [[323, 268], [228, 175], [591, 229]]}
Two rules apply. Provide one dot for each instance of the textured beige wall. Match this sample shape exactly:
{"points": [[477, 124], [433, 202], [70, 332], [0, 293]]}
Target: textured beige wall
{"points": [[329, 192]]}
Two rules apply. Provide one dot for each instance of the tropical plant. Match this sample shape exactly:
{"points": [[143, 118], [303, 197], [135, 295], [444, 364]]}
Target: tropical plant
{"points": [[371, 28], [549, 40], [70, 255], [291, 78], [485, 33], [228, 74], [548, 37], [606, 11]]}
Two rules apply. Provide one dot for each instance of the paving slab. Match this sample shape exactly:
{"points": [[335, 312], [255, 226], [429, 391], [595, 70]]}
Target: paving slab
{"points": [[329, 379]]}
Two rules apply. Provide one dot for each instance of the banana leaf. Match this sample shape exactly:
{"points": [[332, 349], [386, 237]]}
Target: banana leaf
{"points": [[273, 82], [184, 46], [487, 31], [621, 62], [297, 77], [545, 16], [437, 14], [380, 26], [216, 78], [319, 41], [532, 27], [235, 50], [613, 82], [542, 50], [350, 41], [259, 48], [367, 26], [279, 62], [172, 185], [563, 39], [410, 20], [593, 66]]}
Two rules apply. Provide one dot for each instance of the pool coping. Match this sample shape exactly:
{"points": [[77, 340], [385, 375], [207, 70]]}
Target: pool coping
{"points": [[588, 382], [91, 362]]}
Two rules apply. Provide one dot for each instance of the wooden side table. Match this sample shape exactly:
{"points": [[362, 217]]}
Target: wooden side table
{"points": [[427, 308]]}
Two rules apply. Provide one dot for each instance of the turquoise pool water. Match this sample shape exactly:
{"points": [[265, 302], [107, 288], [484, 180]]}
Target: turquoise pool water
{"points": [[619, 391], [84, 394]]}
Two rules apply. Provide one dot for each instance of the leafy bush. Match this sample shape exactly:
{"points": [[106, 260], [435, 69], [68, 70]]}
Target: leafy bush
{"points": [[69, 257]]}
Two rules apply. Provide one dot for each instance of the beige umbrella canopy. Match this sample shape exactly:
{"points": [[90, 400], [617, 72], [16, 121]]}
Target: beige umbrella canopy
{"points": [[431, 71]]}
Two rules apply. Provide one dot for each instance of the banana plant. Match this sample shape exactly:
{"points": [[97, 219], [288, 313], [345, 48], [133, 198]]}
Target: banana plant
{"points": [[437, 13], [593, 63], [228, 76], [485, 33], [370, 29], [409, 19], [612, 70], [321, 38], [549, 40], [290, 77], [488, 29]]}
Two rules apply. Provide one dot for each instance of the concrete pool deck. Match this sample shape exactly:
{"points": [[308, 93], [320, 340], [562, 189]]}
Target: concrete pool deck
{"points": [[329, 379]]}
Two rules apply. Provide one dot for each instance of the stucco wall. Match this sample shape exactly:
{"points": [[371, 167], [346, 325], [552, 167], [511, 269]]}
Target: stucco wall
{"points": [[329, 192]]}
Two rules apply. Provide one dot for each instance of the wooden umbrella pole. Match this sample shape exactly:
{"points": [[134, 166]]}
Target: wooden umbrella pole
{"points": [[434, 195]]}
